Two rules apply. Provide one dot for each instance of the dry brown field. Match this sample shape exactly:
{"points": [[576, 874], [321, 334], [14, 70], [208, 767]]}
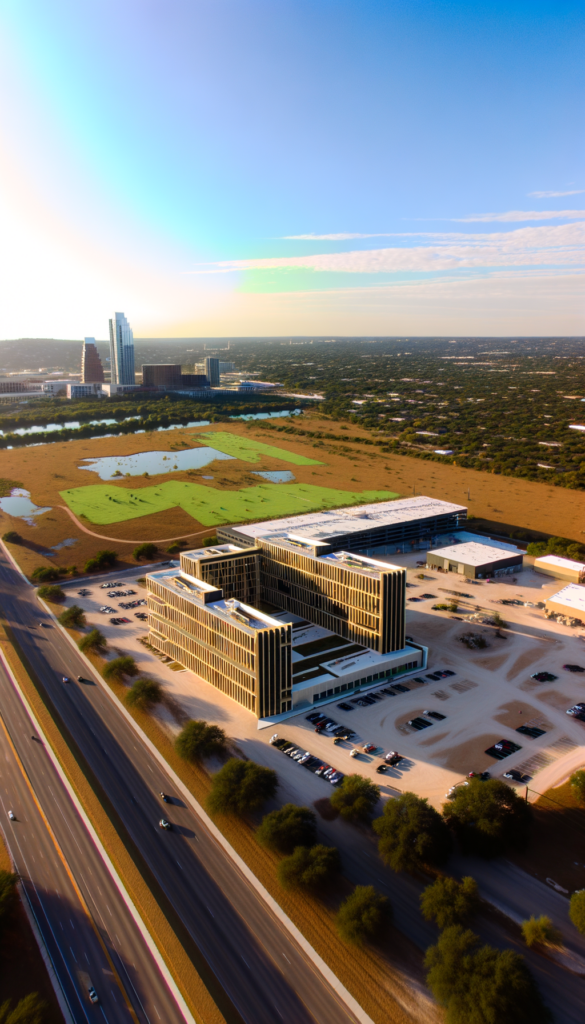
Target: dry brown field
{"points": [[45, 470]]}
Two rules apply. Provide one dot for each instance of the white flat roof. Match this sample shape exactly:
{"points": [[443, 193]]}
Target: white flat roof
{"points": [[560, 563], [471, 552], [572, 596], [355, 519]]}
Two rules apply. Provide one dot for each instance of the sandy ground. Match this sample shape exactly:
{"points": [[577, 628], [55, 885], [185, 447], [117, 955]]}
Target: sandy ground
{"points": [[484, 701]]}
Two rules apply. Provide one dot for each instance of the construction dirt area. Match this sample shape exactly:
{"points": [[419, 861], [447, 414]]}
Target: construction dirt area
{"points": [[56, 536]]}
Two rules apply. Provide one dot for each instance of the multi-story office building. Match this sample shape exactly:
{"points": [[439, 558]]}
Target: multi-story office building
{"points": [[236, 571], [161, 374], [212, 370], [121, 351], [243, 652], [92, 371]]}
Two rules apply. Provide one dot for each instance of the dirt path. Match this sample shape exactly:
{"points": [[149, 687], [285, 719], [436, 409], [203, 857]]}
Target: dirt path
{"points": [[122, 540]]}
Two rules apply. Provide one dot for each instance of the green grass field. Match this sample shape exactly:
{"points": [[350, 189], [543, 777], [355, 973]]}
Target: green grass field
{"points": [[103, 504], [247, 450]]}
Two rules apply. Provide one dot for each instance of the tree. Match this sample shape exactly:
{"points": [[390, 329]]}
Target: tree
{"points": [[577, 910], [355, 798], [241, 787], [30, 1010], [8, 882], [365, 914], [174, 549], [309, 868], [147, 550], [144, 694], [447, 901], [44, 574], [488, 818], [12, 537], [101, 560], [120, 667], [288, 827], [540, 931], [198, 740], [577, 781], [412, 834], [52, 593], [93, 641], [482, 985], [73, 617]]}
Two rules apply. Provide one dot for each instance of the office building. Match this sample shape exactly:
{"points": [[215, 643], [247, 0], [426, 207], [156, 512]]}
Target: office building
{"points": [[161, 375], [569, 601], [561, 568], [83, 390], [121, 351], [212, 370], [476, 560], [235, 571], [241, 651], [194, 381], [54, 387], [92, 371]]}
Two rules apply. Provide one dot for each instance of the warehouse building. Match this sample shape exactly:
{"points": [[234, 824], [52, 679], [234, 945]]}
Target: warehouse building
{"points": [[569, 601], [561, 568], [475, 560]]}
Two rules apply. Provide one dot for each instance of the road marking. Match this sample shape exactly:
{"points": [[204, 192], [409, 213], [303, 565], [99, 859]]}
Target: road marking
{"points": [[246, 962], [71, 923], [78, 891], [73, 955], [286, 958]]}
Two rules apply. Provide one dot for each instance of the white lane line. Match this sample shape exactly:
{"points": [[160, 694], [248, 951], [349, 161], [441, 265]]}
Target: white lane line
{"points": [[73, 955]]}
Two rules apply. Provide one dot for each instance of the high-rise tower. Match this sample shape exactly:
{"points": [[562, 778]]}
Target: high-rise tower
{"points": [[121, 350], [92, 371], [212, 370]]}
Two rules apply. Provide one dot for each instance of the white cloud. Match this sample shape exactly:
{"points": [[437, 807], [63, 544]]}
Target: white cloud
{"points": [[332, 238], [522, 215], [559, 245], [554, 195]]}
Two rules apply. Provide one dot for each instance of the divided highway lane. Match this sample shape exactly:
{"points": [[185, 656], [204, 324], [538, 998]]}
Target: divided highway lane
{"points": [[262, 970], [69, 935]]}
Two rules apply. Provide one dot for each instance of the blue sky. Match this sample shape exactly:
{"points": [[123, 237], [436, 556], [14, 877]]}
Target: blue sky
{"points": [[195, 164]]}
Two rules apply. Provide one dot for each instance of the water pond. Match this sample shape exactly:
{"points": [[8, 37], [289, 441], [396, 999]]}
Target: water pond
{"points": [[18, 504], [153, 463], [276, 476]]}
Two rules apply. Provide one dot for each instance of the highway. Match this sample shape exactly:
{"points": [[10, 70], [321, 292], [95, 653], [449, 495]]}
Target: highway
{"points": [[254, 969]]}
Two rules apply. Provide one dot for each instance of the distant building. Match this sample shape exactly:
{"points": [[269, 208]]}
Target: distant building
{"points": [[561, 568], [118, 389], [92, 371], [194, 380], [212, 370], [475, 560], [161, 374], [53, 387], [568, 601], [83, 390], [227, 367], [121, 350]]}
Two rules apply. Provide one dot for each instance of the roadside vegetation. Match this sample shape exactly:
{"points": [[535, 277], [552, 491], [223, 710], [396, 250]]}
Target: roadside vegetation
{"points": [[412, 835], [447, 901], [29, 1009], [93, 641], [144, 694], [488, 818], [364, 916], [199, 740], [73, 617]]}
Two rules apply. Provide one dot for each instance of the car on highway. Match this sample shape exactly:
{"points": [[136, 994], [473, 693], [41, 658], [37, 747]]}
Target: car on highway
{"points": [[66, 680], [93, 996], [166, 825], [12, 815], [82, 679], [164, 797]]}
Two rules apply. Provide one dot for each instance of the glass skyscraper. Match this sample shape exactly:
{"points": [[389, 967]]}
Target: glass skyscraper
{"points": [[121, 350]]}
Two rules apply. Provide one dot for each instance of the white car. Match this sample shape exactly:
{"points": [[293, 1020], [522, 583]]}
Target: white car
{"points": [[354, 753], [12, 815]]}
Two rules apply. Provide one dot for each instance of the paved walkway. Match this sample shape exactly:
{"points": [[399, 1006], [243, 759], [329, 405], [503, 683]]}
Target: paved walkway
{"points": [[122, 540]]}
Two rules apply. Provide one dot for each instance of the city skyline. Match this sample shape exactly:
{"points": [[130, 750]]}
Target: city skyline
{"points": [[347, 169]]}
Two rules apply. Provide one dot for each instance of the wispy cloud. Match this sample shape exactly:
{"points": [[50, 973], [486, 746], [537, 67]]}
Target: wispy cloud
{"points": [[554, 195], [344, 237], [523, 215], [559, 245]]}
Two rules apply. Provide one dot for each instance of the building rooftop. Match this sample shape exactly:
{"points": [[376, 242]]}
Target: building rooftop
{"points": [[326, 526], [555, 561], [248, 618], [357, 563], [216, 549], [473, 553], [572, 596]]}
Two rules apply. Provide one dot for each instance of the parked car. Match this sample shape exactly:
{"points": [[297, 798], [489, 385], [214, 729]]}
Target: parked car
{"points": [[107, 610], [382, 768], [436, 715], [576, 709], [108, 586], [516, 776], [369, 747], [354, 753], [313, 716], [573, 668], [344, 707]]}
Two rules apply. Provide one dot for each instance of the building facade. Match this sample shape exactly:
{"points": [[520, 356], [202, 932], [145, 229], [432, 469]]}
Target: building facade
{"points": [[212, 370], [161, 374], [235, 571], [121, 351], [92, 371]]}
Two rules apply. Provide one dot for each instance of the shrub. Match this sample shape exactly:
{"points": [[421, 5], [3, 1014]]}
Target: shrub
{"points": [[52, 593], [355, 798], [174, 549], [8, 882], [365, 914], [29, 1010], [412, 834], [120, 667], [144, 694], [73, 617], [208, 541], [44, 574], [540, 931], [102, 560], [578, 785], [94, 641], [241, 787], [309, 868], [147, 550], [285, 829], [577, 910], [198, 740], [448, 902], [488, 818], [481, 985], [12, 537]]}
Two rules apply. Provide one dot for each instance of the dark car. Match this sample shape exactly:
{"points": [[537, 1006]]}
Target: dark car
{"points": [[345, 707], [419, 679], [448, 672], [436, 715], [165, 798], [543, 677], [516, 776], [382, 768], [163, 823], [313, 716], [573, 668], [434, 676]]}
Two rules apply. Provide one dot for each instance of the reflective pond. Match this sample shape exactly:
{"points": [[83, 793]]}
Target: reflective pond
{"points": [[109, 467], [19, 504], [275, 476]]}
